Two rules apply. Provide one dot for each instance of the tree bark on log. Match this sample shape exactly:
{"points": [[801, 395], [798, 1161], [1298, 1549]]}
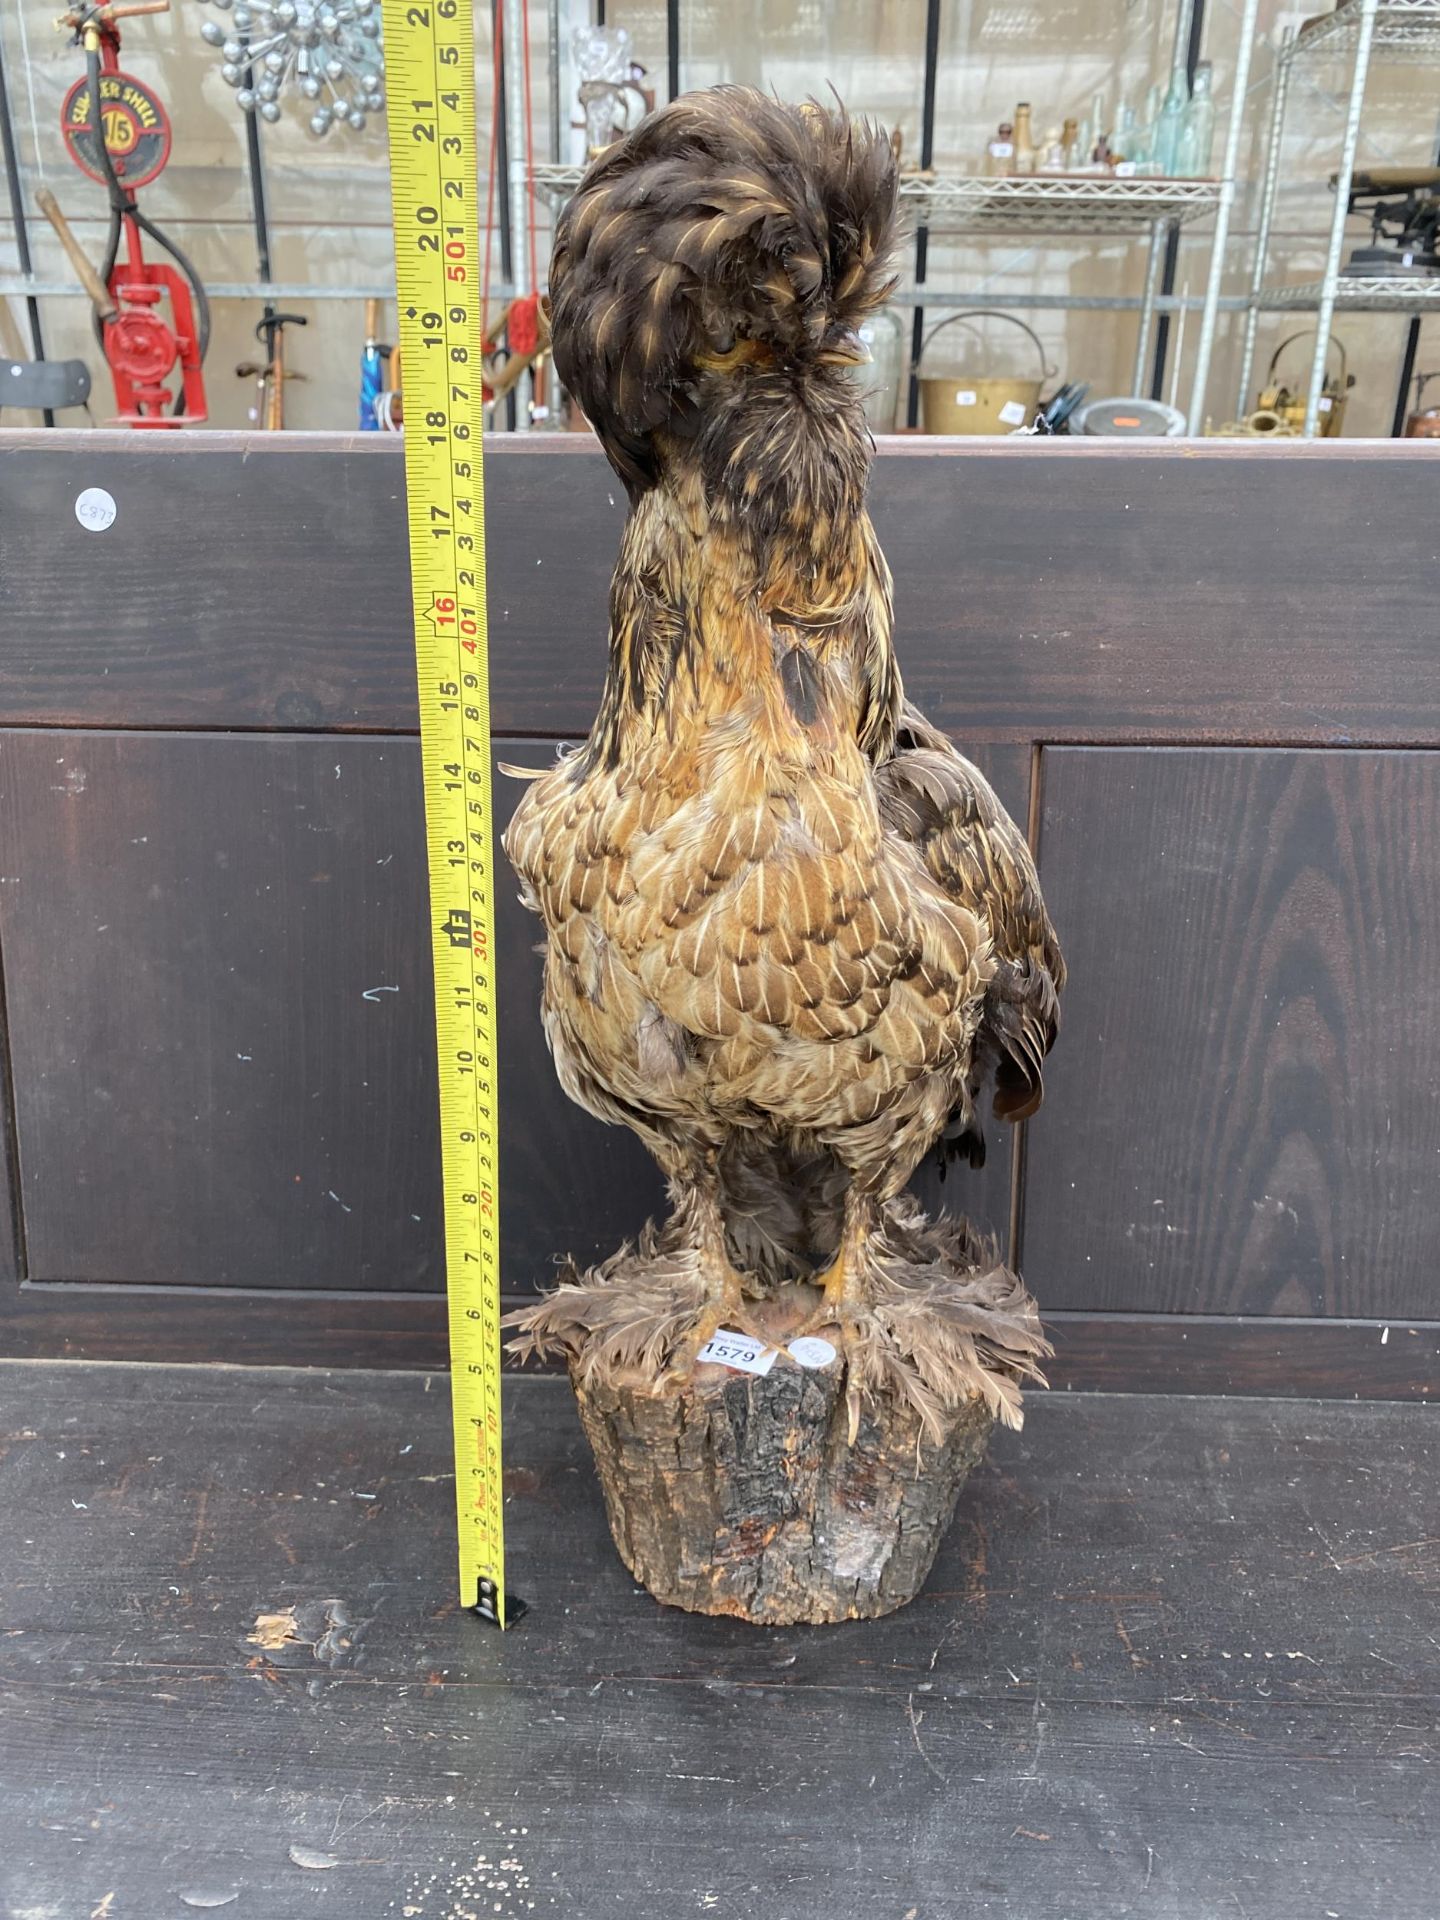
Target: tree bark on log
{"points": [[808, 1493], [739, 1493]]}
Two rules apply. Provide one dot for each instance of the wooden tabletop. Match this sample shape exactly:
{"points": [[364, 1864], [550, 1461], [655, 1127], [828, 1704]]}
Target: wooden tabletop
{"points": [[1179, 1659]]}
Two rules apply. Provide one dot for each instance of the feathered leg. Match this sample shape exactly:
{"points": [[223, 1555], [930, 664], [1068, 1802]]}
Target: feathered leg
{"points": [[724, 1287], [845, 1306], [842, 1284]]}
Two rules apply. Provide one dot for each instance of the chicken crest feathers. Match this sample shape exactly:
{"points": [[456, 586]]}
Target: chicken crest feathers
{"points": [[729, 230]]}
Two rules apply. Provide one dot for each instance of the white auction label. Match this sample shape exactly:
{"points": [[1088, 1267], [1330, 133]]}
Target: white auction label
{"points": [[811, 1351], [965, 397], [738, 1350], [95, 509], [1013, 414]]}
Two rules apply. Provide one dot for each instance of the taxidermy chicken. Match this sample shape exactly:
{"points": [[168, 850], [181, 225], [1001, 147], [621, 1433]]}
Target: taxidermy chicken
{"points": [[790, 934]]}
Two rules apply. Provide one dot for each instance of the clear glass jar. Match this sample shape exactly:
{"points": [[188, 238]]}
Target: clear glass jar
{"points": [[881, 380], [1000, 153]]}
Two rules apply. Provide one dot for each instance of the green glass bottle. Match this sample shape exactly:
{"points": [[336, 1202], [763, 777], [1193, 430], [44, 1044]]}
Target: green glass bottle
{"points": [[1166, 151], [1197, 132]]}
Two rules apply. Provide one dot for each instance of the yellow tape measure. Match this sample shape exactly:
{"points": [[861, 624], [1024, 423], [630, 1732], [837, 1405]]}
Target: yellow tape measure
{"points": [[430, 91]]}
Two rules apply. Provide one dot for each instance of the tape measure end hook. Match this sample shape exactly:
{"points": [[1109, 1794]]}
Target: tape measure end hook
{"points": [[486, 1606]]}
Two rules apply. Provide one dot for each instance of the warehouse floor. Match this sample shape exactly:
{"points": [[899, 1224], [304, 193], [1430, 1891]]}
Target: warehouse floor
{"points": [[1180, 1658]]}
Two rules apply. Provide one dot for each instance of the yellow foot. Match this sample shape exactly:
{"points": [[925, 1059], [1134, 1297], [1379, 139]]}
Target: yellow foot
{"points": [[843, 1315], [729, 1310], [839, 1305]]}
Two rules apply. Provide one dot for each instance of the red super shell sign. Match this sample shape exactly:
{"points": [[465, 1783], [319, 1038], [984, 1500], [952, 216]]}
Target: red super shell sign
{"points": [[137, 129]]}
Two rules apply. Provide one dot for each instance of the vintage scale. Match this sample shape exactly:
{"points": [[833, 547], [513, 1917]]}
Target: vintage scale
{"points": [[1403, 207]]}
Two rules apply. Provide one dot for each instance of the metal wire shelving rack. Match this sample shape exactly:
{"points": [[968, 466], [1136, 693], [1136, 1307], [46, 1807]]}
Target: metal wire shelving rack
{"points": [[1357, 293], [1053, 204], [1060, 205], [1364, 29], [940, 202], [1045, 203]]}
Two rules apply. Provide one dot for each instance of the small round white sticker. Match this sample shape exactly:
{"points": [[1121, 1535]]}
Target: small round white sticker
{"points": [[95, 509], [811, 1351]]}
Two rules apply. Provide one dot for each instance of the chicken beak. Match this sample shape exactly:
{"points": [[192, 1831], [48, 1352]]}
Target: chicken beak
{"points": [[847, 351]]}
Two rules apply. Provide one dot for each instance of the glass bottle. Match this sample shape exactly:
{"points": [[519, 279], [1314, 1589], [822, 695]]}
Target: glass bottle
{"points": [[1165, 152], [1197, 130], [602, 61], [1100, 151], [1124, 139], [1024, 156], [1051, 157], [879, 379], [1000, 152], [1149, 131], [1070, 141], [1083, 143], [1153, 100]]}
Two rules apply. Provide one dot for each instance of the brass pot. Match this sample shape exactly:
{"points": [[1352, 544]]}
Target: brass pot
{"points": [[1288, 403], [967, 403]]}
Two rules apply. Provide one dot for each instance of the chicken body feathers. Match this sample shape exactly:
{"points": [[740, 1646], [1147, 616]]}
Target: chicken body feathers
{"points": [[789, 930], [944, 806]]}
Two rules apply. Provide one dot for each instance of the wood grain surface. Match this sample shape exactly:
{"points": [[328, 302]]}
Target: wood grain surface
{"points": [[1255, 1354], [1177, 1659], [216, 997], [1079, 592], [1248, 1046], [1244, 1110], [221, 1021]]}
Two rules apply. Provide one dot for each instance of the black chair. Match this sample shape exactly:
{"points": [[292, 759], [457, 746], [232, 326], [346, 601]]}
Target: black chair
{"points": [[39, 384]]}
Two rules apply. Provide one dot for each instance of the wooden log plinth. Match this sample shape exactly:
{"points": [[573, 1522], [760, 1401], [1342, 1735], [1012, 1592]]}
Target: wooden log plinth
{"points": [[808, 1493], [738, 1493]]}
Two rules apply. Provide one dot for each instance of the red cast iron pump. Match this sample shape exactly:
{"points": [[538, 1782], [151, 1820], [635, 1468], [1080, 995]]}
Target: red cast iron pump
{"points": [[118, 133]]}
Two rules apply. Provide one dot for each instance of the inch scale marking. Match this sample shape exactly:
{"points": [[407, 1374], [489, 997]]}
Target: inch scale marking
{"points": [[430, 88]]}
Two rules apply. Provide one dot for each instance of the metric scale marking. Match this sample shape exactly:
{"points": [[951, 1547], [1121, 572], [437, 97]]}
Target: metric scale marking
{"points": [[430, 89]]}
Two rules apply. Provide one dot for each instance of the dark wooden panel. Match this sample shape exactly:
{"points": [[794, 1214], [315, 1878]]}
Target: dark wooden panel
{"points": [[250, 1326], [1246, 1039], [221, 1021], [204, 1092], [1044, 592], [11, 1242], [1175, 1659], [231, 591], [1244, 1110], [1116, 1353], [1258, 1354], [1056, 593]]}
